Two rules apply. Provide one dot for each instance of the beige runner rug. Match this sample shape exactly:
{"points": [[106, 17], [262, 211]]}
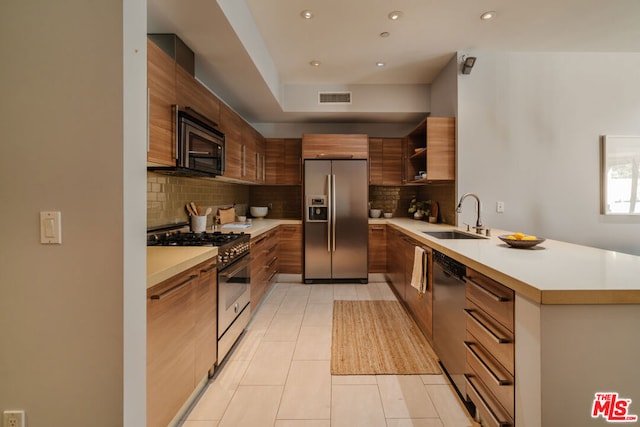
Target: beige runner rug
{"points": [[377, 338]]}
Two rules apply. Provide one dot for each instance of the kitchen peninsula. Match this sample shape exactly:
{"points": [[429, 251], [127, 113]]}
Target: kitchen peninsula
{"points": [[576, 309]]}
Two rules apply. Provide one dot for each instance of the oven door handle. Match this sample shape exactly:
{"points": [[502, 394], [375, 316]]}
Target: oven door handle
{"points": [[243, 264]]}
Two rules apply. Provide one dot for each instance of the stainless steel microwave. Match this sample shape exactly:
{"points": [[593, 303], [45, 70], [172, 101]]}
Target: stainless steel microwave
{"points": [[199, 146]]}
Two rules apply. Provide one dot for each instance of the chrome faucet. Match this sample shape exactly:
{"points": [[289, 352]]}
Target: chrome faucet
{"points": [[479, 227]]}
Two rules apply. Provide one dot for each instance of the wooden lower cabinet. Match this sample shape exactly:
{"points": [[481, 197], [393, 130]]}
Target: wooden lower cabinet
{"points": [[290, 261], [264, 265], [421, 306], [395, 262], [400, 253], [206, 320], [490, 343], [377, 248], [181, 339]]}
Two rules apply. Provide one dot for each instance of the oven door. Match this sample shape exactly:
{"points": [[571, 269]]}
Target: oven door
{"points": [[201, 148], [233, 292]]}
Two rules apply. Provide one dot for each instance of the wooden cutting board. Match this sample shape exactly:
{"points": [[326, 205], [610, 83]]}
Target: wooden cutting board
{"points": [[227, 215]]}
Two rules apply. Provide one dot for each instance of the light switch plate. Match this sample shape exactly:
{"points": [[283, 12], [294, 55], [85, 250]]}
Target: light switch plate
{"points": [[51, 227]]}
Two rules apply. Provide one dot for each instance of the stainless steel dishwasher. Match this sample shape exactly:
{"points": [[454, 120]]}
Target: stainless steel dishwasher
{"points": [[449, 321]]}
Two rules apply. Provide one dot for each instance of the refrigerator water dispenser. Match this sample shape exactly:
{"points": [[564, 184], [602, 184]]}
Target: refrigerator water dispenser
{"points": [[317, 209]]}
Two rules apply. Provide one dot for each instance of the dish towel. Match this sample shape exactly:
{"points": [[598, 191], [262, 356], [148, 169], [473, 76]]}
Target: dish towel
{"points": [[419, 274]]}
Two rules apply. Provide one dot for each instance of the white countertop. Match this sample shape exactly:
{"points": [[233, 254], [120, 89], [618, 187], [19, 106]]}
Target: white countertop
{"points": [[553, 272], [164, 262]]}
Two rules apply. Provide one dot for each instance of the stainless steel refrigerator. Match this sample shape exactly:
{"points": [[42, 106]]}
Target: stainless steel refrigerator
{"points": [[336, 196]]}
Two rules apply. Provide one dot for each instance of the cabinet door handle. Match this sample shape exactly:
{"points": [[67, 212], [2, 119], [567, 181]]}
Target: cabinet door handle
{"points": [[378, 228], [244, 160], [494, 417], [499, 381], [174, 289], [496, 338], [174, 113], [271, 276], [208, 269], [275, 258], [487, 292]]}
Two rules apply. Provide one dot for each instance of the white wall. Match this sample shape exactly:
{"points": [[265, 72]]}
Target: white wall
{"points": [[529, 126], [62, 307], [296, 130]]}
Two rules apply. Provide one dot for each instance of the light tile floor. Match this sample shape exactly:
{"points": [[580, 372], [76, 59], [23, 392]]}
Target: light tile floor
{"points": [[278, 374]]}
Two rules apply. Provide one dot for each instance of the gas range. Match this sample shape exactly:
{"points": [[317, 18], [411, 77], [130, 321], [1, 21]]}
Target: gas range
{"points": [[231, 246]]}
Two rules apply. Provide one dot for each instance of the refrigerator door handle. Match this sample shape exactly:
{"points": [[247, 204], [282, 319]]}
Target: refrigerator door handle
{"points": [[329, 215], [333, 206]]}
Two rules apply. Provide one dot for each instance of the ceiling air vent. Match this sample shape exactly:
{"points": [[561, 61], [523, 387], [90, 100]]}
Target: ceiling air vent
{"points": [[334, 97]]}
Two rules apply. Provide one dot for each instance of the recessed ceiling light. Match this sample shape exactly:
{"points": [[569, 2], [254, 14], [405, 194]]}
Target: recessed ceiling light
{"points": [[306, 14], [314, 63], [488, 15], [385, 34], [380, 64], [395, 15]]}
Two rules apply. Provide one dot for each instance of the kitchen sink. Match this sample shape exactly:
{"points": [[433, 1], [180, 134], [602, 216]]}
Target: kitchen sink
{"points": [[452, 234]]}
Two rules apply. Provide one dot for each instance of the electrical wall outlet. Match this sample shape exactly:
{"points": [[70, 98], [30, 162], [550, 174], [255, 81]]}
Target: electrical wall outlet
{"points": [[13, 419], [500, 207]]}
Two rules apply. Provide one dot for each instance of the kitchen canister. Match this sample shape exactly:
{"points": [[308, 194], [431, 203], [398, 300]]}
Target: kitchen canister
{"points": [[198, 223]]}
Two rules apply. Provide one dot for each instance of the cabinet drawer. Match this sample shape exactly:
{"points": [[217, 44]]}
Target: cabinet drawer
{"points": [[492, 297], [491, 373], [490, 412], [495, 338]]}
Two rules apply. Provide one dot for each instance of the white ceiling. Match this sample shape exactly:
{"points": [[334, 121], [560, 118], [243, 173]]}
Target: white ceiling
{"points": [[255, 54]]}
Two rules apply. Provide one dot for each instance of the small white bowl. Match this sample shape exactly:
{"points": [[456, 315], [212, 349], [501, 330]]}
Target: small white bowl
{"points": [[388, 215], [259, 211], [242, 218], [375, 213]]}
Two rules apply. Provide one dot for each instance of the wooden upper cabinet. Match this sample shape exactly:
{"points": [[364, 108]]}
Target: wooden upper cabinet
{"points": [[161, 85], [441, 148], [385, 161], [231, 126], [292, 172], [260, 172], [283, 161], [375, 161], [392, 149], [274, 150], [250, 140], [431, 148], [191, 93], [335, 146]]}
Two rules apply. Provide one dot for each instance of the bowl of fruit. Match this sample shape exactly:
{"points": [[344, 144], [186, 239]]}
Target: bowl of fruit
{"points": [[521, 240]]}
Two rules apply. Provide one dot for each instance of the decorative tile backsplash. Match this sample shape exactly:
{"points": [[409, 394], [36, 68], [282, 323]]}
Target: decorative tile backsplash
{"points": [[285, 201], [167, 195], [396, 199]]}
